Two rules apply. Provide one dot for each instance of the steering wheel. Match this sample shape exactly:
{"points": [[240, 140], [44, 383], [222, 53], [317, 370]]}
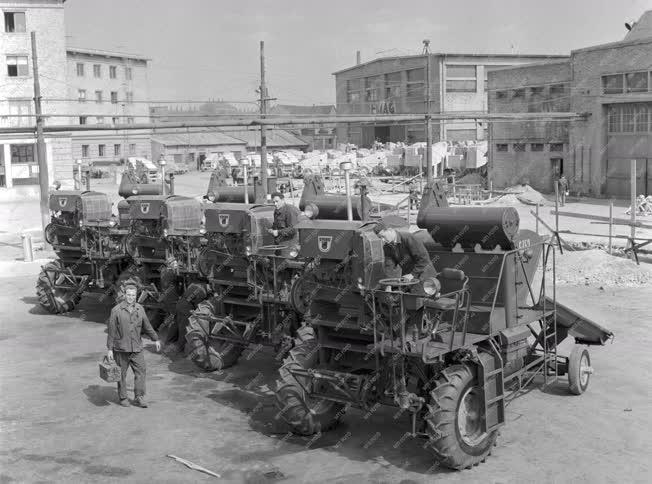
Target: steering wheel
{"points": [[272, 247], [398, 281]]}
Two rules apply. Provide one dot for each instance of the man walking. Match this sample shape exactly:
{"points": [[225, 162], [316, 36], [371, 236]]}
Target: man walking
{"points": [[126, 323]]}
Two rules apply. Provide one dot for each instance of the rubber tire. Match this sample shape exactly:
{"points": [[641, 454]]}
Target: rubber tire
{"points": [[45, 292], [208, 353], [303, 417], [441, 421], [574, 378]]}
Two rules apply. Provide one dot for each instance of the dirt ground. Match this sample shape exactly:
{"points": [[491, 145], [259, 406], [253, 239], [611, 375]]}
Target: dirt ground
{"points": [[59, 422]]}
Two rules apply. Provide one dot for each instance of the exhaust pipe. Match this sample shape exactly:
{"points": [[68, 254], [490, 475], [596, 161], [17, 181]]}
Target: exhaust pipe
{"points": [[346, 166], [245, 164]]}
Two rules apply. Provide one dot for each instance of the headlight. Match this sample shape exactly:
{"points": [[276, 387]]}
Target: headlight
{"points": [[202, 230], [134, 191], [248, 250], [431, 286], [165, 232], [111, 223], [311, 211], [81, 223], [294, 253]]}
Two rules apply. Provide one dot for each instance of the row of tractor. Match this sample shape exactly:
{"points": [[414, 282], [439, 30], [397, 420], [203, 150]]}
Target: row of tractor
{"points": [[351, 330]]}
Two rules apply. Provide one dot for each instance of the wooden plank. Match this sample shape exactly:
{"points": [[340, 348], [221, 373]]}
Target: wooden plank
{"points": [[617, 221]]}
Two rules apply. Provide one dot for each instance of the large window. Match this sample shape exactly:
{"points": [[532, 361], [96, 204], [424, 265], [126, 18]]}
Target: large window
{"points": [[128, 73], [113, 72], [22, 153], [81, 95], [114, 97], [393, 86], [80, 69], [372, 89], [636, 82], [101, 149], [116, 150], [130, 97], [14, 22], [353, 90], [97, 70], [461, 78], [17, 66], [85, 151], [630, 82], [629, 118], [98, 97], [416, 83]]}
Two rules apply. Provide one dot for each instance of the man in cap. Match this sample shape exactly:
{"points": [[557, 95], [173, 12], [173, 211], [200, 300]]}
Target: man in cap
{"points": [[402, 249]]}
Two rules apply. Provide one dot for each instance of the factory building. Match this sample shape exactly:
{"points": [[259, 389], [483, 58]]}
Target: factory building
{"points": [[397, 85], [612, 83]]}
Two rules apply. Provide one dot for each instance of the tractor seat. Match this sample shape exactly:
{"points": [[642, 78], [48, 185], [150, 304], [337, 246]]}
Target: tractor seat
{"points": [[443, 304]]}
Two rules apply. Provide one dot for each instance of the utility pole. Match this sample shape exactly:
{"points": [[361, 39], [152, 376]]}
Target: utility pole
{"points": [[40, 141], [426, 51], [263, 128]]}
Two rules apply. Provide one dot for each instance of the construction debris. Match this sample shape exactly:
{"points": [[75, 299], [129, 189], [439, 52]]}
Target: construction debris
{"points": [[643, 205], [595, 267], [194, 466]]}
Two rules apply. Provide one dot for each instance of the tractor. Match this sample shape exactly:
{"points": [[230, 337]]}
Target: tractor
{"points": [[88, 242], [164, 241], [449, 356]]}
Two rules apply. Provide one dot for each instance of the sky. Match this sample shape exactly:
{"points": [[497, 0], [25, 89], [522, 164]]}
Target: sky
{"points": [[201, 49]]}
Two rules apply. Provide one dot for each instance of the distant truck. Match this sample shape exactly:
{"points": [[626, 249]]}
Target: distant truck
{"points": [[143, 165]]}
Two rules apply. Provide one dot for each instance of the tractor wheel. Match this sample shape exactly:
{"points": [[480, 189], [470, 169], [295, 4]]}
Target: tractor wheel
{"points": [[305, 415], [454, 419], [579, 370], [60, 299], [208, 353]]}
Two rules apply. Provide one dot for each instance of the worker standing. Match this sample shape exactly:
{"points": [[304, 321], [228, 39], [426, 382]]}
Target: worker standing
{"points": [[562, 189]]}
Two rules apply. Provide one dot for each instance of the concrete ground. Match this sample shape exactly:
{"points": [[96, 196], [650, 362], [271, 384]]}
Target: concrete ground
{"points": [[59, 422]]}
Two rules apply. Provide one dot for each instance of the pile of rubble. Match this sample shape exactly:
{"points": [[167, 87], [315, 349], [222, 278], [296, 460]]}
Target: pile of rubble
{"points": [[643, 205], [519, 195], [597, 268]]}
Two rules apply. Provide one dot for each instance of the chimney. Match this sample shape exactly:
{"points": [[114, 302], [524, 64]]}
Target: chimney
{"points": [[357, 58]]}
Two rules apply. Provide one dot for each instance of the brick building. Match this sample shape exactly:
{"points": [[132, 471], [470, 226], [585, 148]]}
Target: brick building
{"points": [[18, 164], [396, 85], [613, 83]]}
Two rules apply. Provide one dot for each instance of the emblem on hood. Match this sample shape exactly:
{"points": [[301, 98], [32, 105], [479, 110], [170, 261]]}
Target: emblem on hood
{"points": [[144, 207], [324, 243], [224, 219]]}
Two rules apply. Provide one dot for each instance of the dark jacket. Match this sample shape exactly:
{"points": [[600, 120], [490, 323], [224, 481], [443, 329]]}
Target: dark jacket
{"points": [[285, 218], [125, 328], [410, 254]]}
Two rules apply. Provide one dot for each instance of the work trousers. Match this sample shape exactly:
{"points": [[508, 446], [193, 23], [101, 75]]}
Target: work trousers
{"points": [[137, 363]]}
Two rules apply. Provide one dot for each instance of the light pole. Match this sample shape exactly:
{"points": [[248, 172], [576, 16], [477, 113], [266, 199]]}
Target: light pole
{"points": [[162, 162], [346, 166], [79, 174], [245, 164]]}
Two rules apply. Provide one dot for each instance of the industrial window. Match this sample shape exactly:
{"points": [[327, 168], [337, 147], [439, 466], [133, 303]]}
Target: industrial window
{"points": [[612, 84], [113, 71], [518, 93], [82, 119], [556, 146], [502, 147], [98, 97], [99, 120], [114, 97], [636, 82], [130, 97], [613, 117], [128, 73], [641, 117], [116, 150], [97, 70], [353, 89], [80, 69], [536, 146], [22, 153], [132, 149], [372, 89], [17, 66], [81, 95], [536, 91], [14, 22], [557, 90], [519, 147], [101, 150], [115, 120], [85, 151], [501, 94], [628, 118], [460, 78], [393, 85], [415, 83]]}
